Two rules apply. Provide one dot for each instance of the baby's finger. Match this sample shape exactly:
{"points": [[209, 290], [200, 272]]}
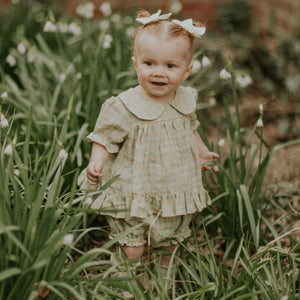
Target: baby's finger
{"points": [[93, 181], [216, 168], [205, 168], [214, 156]]}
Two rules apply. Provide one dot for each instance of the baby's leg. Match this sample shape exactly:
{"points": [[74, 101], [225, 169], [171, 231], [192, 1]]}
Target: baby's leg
{"points": [[132, 243], [166, 258], [133, 253], [170, 227]]}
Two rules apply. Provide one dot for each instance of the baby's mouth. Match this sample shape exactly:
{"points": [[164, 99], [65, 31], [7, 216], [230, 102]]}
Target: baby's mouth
{"points": [[158, 83]]}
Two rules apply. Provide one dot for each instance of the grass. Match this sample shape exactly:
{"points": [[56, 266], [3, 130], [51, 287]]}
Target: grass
{"points": [[51, 99]]}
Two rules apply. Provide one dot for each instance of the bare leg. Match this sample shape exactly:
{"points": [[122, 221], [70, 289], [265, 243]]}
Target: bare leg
{"points": [[134, 253], [165, 259]]}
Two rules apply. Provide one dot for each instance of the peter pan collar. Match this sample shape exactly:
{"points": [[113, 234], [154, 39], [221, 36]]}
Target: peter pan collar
{"points": [[146, 109]]}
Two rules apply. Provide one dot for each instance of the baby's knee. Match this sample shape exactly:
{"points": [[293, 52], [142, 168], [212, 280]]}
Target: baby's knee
{"points": [[133, 252]]}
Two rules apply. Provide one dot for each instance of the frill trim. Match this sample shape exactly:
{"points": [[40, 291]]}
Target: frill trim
{"points": [[111, 148], [170, 205]]}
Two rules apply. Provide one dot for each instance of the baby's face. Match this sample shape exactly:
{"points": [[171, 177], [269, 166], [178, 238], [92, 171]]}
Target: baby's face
{"points": [[161, 65]]}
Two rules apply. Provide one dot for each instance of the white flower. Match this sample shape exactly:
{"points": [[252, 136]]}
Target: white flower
{"points": [[21, 48], [78, 75], [127, 20], [224, 74], [261, 107], [63, 27], [4, 95], [63, 154], [221, 142], [130, 31], [31, 56], [205, 61], [15, 1], [196, 66], [175, 7], [243, 80], [70, 68], [212, 101], [49, 27], [88, 201], [62, 77], [260, 123], [8, 149], [68, 239], [104, 24], [11, 60], [17, 172], [105, 8], [107, 41], [86, 10], [75, 29], [3, 121], [115, 18]]}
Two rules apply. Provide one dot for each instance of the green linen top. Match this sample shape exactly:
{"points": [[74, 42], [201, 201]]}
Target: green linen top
{"points": [[153, 149]]}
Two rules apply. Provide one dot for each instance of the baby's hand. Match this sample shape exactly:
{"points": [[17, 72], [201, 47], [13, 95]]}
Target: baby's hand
{"points": [[207, 157], [93, 171]]}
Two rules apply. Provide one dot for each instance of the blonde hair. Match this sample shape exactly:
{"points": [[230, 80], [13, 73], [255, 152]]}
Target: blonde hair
{"points": [[166, 29]]}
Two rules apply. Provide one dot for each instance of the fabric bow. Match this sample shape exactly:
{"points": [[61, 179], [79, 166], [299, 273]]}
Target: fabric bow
{"points": [[153, 18], [188, 26]]}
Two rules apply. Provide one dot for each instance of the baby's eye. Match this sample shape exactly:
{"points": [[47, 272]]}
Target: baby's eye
{"points": [[170, 66], [148, 63]]}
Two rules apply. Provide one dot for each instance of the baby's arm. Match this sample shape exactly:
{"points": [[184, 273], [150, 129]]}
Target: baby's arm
{"points": [[98, 158], [204, 154]]}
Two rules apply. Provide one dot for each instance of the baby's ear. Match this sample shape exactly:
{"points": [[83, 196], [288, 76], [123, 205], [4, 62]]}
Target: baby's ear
{"points": [[187, 72], [134, 61]]}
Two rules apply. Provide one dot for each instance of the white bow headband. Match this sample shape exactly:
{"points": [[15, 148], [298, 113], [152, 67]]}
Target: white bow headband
{"points": [[186, 24]]}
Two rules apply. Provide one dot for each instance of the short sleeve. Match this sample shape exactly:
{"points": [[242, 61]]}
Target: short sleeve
{"points": [[111, 126]]}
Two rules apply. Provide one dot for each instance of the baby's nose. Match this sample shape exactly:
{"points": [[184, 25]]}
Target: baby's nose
{"points": [[158, 71]]}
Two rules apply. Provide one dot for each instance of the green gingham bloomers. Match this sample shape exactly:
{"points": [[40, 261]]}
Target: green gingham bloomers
{"points": [[153, 149]]}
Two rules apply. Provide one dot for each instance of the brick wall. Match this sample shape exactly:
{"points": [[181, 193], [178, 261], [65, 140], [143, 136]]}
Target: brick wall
{"points": [[200, 10], [279, 16]]}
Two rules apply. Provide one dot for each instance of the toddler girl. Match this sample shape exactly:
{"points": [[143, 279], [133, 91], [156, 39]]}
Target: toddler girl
{"points": [[148, 135]]}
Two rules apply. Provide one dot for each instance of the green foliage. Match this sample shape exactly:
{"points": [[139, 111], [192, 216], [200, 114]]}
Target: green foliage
{"points": [[51, 98], [234, 16], [273, 60], [239, 199]]}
